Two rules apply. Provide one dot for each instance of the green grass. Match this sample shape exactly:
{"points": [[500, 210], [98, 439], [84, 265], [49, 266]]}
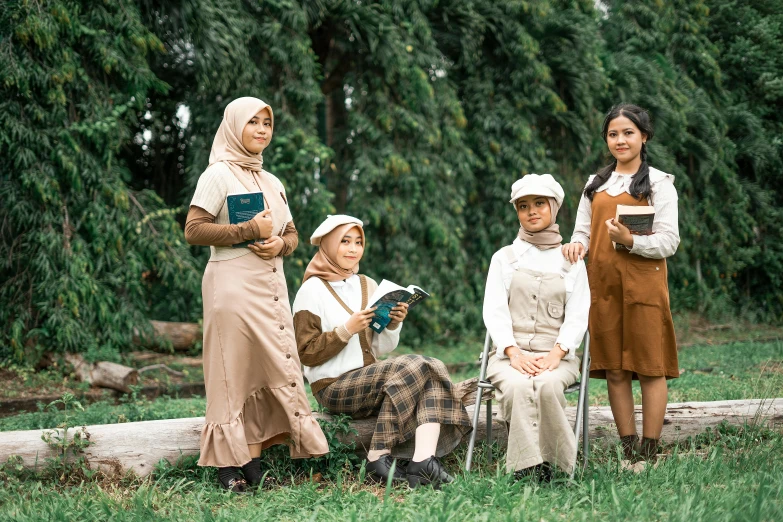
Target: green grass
{"points": [[728, 474], [712, 373]]}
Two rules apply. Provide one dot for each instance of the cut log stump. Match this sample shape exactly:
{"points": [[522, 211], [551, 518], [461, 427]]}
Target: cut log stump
{"points": [[103, 374], [138, 446]]}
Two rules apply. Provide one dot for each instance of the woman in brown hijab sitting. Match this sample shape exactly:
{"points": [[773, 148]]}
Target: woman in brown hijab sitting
{"points": [[419, 415], [255, 390]]}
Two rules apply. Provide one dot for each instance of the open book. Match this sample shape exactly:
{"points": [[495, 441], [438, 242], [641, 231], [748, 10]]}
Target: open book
{"points": [[387, 296], [244, 207], [638, 219]]}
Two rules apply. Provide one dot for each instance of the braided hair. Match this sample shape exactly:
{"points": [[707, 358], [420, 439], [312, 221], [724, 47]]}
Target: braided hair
{"points": [[640, 186]]}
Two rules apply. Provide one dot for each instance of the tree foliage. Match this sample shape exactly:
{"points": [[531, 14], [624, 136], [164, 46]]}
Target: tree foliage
{"points": [[414, 115]]}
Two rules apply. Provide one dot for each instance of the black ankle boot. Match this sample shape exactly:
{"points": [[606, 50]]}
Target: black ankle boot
{"points": [[378, 470], [649, 449], [541, 472], [429, 471], [630, 445], [232, 480], [252, 472]]}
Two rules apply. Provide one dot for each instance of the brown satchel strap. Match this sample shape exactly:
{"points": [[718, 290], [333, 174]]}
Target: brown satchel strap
{"points": [[364, 340]]}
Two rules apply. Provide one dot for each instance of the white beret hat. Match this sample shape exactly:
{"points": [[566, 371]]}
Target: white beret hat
{"points": [[537, 185], [329, 224]]}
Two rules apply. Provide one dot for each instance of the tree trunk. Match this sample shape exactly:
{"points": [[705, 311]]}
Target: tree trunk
{"points": [[181, 335], [104, 374], [138, 446]]}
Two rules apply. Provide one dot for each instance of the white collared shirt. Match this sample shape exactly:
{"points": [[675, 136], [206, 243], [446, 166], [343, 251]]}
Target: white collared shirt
{"points": [[497, 316], [665, 239]]}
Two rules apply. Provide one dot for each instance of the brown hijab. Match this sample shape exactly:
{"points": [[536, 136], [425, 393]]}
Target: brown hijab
{"points": [[549, 237], [323, 264], [246, 166]]}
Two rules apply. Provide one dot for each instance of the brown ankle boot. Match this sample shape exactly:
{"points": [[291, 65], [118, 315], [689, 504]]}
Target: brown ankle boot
{"points": [[649, 449], [630, 445]]}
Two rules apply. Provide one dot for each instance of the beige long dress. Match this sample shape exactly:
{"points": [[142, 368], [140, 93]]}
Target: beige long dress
{"points": [[255, 390], [534, 407]]}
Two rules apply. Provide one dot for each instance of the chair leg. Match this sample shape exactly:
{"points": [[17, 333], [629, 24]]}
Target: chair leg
{"points": [[472, 442], [586, 427], [489, 430]]}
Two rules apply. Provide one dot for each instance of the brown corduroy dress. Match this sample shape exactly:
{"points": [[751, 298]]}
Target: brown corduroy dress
{"points": [[630, 323]]}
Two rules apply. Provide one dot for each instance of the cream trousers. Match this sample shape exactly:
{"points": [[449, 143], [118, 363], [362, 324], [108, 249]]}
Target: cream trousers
{"points": [[534, 410]]}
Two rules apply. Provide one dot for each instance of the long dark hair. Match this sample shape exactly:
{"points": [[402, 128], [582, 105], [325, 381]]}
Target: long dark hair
{"points": [[640, 186]]}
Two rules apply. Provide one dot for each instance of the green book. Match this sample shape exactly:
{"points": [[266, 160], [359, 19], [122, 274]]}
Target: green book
{"points": [[242, 208]]}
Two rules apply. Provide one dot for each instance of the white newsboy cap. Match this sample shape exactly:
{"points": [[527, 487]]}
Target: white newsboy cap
{"points": [[537, 185], [329, 224]]}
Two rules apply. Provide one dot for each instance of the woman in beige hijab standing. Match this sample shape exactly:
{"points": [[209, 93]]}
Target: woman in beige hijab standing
{"points": [[254, 385]]}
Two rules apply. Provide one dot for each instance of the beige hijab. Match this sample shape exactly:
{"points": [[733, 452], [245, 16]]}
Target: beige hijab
{"points": [[323, 265], [549, 237], [246, 166]]}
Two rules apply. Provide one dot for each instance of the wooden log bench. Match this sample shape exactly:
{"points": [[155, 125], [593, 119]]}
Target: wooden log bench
{"points": [[139, 446]]}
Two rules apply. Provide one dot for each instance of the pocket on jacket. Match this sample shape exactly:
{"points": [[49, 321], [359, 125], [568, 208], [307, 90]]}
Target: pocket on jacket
{"points": [[555, 310]]}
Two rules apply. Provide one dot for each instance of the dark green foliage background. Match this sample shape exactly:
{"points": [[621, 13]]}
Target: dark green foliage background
{"points": [[415, 116]]}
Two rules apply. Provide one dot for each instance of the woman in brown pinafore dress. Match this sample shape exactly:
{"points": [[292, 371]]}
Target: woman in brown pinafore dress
{"points": [[630, 324], [255, 390]]}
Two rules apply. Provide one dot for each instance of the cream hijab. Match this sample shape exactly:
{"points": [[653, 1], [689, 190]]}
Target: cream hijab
{"points": [[246, 166], [549, 237], [323, 264]]}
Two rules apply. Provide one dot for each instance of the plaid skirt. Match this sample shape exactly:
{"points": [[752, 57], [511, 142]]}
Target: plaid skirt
{"points": [[404, 392]]}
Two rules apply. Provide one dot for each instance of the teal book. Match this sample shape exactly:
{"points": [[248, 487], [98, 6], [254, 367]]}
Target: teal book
{"points": [[387, 296], [242, 208]]}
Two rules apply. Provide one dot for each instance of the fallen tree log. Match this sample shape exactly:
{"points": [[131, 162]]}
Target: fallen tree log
{"points": [[181, 335], [103, 374], [138, 446]]}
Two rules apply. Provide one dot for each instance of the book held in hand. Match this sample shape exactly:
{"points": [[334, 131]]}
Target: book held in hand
{"points": [[387, 296], [242, 208], [638, 219]]}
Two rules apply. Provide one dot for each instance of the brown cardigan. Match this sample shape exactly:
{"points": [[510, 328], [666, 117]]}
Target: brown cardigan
{"points": [[201, 229]]}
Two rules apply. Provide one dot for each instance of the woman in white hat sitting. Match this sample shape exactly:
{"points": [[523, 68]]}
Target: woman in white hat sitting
{"points": [[419, 415], [536, 306]]}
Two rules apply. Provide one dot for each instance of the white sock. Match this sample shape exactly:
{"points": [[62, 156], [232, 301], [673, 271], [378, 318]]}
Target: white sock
{"points": [[374, 455], [426, 441]]}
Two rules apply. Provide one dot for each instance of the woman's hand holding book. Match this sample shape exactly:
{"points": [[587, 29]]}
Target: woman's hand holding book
{"points": [[359, 321], [269, 248], [619, 233], [397, 315], [263, 221]]}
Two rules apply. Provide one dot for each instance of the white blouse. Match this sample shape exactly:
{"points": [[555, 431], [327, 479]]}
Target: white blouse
{"points": [[315, 298], [497, 316], [665, 239]]}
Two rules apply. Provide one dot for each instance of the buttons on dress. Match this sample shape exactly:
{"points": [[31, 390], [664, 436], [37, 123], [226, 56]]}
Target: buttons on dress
{"points": [[293, 385], [277, 298], [282, 327], [288, 356], [274, 270], [534, 298], [296, 414]]}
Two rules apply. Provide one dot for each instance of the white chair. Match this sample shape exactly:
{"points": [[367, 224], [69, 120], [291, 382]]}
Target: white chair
{"points": [[581, 424]]}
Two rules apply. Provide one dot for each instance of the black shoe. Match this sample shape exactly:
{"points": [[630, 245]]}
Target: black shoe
{"points": [[428, 471], [232, 480], [540, 472], [378, 471], [252, 472]]}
